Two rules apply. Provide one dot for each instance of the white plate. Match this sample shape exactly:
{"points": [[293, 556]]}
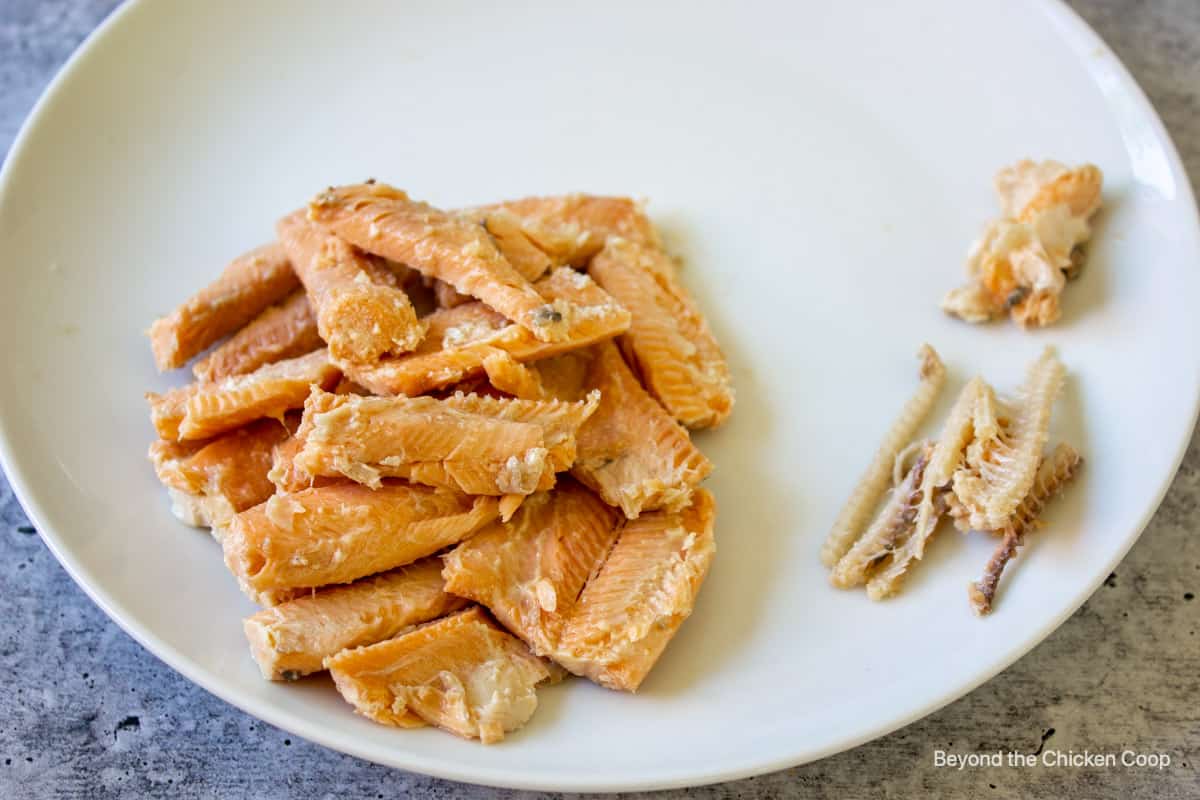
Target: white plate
{"points": [[822, 166]]}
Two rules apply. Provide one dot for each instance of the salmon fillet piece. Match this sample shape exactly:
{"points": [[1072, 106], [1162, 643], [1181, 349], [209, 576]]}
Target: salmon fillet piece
{"points": [[361, 312], [475, 445], [293, 639], [339, 533], [563, 376], [631, 452], [669, 343], [510, 376], [249, 284], [284, 473], [574, 227], [170, 458], [425, 441], [383, 220], [216, 479], [530, 570], [516, 244], [461, 673], [560, 420], [201, 410], [634, 605], [168, 409], [459, 339], [447, 296], [286, 330]]}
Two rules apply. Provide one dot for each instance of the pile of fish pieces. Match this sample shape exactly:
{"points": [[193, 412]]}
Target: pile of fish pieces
{"points": [[988, 471], [448, 452]]}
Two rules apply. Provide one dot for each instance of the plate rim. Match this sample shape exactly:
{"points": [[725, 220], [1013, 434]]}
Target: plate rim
{"points": [[1067, 23]]}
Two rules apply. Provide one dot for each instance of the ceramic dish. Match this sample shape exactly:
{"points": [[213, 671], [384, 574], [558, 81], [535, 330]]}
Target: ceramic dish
{"points": [[822, 168]]}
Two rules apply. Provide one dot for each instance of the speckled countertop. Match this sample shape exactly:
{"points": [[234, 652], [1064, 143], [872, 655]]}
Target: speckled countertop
{"points": [[86, 711]]}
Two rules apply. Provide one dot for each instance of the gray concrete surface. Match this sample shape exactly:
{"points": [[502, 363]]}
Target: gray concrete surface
{"points": [[85, 711]]}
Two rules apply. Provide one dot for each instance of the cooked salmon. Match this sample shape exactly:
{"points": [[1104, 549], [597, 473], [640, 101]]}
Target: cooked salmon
{"points": [[192, 510], [572, 228], [510, 376], [168, 409], [202, 410], [530, 570], [449, 297], [647, 587], [559, 420], [630, 451], [248, 285], [515, 244], [509, 504], [491, 484], [461, 673], [669, 343], [284, 473], [383, 220], [224, 476], [282, 331], [170, 457], [564, 376], [293, 639], [339, 533], [424, 440], [475, 445], [459, 339], [361, 313]]}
